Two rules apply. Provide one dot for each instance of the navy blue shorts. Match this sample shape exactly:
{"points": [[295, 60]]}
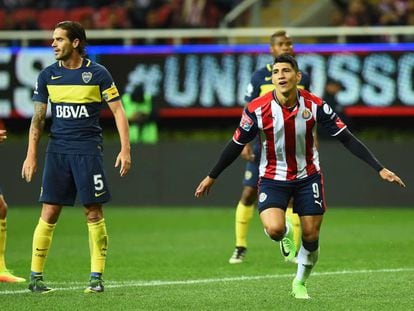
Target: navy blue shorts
{"points": [[251, 174], [307, 194], [66, 175]]}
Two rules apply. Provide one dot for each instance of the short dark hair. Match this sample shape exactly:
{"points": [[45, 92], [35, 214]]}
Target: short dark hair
{"points": [[287, 58], [279, 33], [75, 31]]}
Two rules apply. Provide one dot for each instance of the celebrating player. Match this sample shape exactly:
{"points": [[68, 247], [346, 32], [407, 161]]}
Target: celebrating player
{"points": [[76, 88], [289, 165], [260, 84]]}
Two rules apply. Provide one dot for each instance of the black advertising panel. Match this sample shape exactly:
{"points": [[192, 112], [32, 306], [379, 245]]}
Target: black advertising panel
{"points": [[210, 80]]}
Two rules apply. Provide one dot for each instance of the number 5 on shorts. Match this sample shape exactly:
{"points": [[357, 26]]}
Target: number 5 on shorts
{"points": [[98, 182]]}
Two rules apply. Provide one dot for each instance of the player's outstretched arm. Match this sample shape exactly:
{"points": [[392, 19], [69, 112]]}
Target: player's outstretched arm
{"points": [[387, 175], [204, 187], [228, 155], [361, 151], [3, 135]]}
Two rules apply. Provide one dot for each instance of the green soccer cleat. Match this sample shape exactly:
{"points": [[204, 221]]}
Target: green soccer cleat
{"points": [[287, 245], [299, 290], [8, 277], [238, 255], [95, 286], [37, 285]]}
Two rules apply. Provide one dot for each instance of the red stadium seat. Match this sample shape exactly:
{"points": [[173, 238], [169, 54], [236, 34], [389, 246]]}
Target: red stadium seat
{"points": [[24, 17], [48, 18], [104, 19], [2, 18], [84, 15]]}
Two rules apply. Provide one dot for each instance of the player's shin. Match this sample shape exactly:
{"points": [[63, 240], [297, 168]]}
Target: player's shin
{"points": [[3, 235], [297, 232], [98, 244], [307, 258], [244, 214], [42, 239]]}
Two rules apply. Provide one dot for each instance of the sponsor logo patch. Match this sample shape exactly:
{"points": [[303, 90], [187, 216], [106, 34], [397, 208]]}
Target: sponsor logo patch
{"points": [[98, 194], [246, 122], [327, 109]]}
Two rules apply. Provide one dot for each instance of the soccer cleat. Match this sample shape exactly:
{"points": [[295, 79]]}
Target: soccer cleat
{"points": [[299, 290], [95, 286], [238, 255], [8, 277], [287, 245], [37, 285]]}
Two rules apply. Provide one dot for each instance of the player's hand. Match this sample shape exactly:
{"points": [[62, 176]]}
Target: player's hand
{"points": [[204, 187], [3, 135], [247, 153], [123, 158], [391, 177], [29, 169]]}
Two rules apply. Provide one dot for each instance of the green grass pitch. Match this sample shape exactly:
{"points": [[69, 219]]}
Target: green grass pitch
{"points": [[177, 259]]}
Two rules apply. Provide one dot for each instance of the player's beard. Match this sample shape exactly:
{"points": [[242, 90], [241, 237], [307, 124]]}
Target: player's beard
{"points": [[65, 55]]}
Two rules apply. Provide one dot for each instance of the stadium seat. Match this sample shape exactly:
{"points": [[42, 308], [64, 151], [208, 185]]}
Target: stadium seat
{"points": [[105, 19], [84, 15], [2, 17], [48, 18], [25, 18]]}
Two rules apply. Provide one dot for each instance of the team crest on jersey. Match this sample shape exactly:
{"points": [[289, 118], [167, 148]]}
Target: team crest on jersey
{"points": [[86, 76], [246, 122], [306, 114]]}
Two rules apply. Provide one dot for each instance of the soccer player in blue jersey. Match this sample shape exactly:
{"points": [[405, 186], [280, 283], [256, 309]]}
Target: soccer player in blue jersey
{"points": [[5, 274], [76, 87], [289, 167], [260, 84]]}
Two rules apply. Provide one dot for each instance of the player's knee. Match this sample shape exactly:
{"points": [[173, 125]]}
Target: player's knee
{"points": [[93, 214], [3, 206], [275, 232], [311, 235], [249, 195]]}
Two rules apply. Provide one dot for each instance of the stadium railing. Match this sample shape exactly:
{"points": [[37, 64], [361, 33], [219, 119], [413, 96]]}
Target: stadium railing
{"points": [[222, 35]]}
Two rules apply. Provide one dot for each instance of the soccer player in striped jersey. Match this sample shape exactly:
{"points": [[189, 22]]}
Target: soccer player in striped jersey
{"points": [[77, 88], [5, 274], [260, 84], [289, 163]]}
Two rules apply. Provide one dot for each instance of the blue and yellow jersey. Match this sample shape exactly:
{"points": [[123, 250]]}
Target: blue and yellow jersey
{"points": [[261, 83], [76, 97]]}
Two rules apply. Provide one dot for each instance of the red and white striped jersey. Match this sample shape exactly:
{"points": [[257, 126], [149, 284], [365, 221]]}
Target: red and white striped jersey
{"points": [[288, 143]]}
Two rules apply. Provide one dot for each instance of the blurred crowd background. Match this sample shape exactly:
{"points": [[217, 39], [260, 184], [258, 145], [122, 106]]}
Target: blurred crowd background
{"points": [[142, 14]]}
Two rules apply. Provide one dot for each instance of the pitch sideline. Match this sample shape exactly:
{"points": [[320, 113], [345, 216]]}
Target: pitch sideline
{"points": [[118, 284]]}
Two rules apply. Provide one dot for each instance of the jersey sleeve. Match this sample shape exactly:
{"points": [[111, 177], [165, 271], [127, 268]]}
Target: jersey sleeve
{"points": [[253, 88], [329, 120], [109, 90], [305, 81], [247, 129], [40, 93]]}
